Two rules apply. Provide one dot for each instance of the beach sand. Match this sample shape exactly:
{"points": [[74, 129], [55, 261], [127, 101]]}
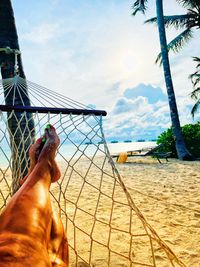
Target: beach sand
{"points": [[166, 194]]}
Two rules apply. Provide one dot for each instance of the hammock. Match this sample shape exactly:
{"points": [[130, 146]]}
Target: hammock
{"points": [[104, 226]]}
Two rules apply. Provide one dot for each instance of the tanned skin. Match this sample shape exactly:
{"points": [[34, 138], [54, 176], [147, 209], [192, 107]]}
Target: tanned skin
{"points": [[31, 234]]}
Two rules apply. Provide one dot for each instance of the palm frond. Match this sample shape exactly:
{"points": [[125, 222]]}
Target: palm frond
{"points": [[195, 77], [197, 59], [189, 3], [177, 21], [195, 108], [139, 6], [176, 44], [159, 59], [152, 20], [195, 93]]}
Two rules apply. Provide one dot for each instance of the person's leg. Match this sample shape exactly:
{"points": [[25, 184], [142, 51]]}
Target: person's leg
{"points": [[58, 245], [26, 221]]}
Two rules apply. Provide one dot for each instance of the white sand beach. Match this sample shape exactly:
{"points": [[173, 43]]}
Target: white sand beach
{"points": [[166, 194]]}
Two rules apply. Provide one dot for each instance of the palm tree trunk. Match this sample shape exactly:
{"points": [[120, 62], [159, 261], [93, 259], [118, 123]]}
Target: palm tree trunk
{"points": [[21, 125], [181, 149]]}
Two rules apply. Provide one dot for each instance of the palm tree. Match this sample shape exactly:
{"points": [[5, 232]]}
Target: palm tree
{"points": [[188, 22], [140, 5], [195, 77], [21, 126]]}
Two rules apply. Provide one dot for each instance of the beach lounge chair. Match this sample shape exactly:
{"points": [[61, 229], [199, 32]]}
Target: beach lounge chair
{"points": [[123, 156], [162, 155]]}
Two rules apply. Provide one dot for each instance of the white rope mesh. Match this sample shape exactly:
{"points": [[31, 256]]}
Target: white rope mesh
{"points": [[104, 226], [38, 95]]}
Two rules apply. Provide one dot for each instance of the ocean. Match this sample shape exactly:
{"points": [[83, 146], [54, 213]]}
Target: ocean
{"points": [[114, 148], [123, 147], [75, 150]]}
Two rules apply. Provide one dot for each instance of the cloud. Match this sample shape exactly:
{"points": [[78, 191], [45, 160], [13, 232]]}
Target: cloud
{"points": [[42, 34], [124, 105], [135, 117], [142, 117], [152, 93], [55, 2]]}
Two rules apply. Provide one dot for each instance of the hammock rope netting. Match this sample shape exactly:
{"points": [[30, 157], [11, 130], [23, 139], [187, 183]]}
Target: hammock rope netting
{"points": [[104, 226]]}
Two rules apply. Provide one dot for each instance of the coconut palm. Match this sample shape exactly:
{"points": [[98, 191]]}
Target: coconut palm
{"points": [[195, 77], [21, 126], [189, 22], [141, 6]]}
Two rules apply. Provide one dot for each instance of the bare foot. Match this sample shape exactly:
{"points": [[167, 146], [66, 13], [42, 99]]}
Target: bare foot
{"points": [[49, 149], [51, 144], [45, 147]]}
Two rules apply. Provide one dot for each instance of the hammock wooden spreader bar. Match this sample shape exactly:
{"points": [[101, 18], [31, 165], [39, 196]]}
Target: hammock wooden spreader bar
{"points": [[53, 110]]}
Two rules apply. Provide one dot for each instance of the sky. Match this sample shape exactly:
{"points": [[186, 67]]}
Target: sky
{"points": [[97, 53]]}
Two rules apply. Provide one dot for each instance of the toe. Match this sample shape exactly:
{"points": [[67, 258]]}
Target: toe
{"points": [[51, 135]]}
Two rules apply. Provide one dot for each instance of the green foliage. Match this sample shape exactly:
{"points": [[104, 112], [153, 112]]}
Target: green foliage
{"points": [[191, 134], [167, 140]]}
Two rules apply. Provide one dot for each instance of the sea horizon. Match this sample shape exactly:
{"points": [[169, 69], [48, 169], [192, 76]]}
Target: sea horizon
{"points": [[75, 150], [91, 149]]}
